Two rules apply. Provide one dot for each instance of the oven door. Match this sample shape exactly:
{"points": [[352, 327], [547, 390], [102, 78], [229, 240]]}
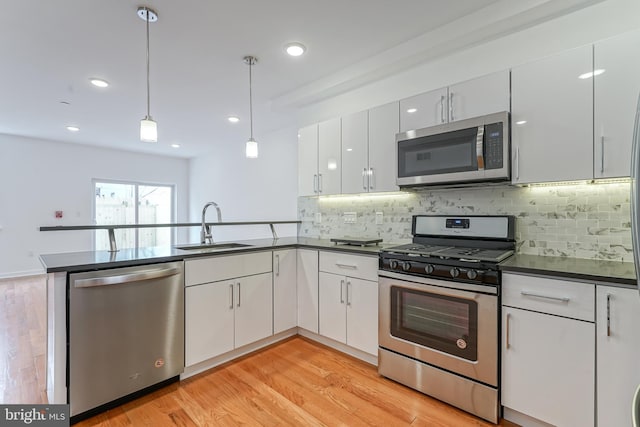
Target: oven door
{"points": [[428, 320]]}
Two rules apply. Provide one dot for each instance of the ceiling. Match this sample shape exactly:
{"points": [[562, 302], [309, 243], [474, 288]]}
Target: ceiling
{"points": [[50, 49]]}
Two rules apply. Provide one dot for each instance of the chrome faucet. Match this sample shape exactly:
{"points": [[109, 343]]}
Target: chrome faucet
{"points": [[205, 231]]}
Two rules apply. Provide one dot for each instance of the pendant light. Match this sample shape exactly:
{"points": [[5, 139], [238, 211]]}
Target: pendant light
{"points": [[251, 147], [148, 127]]}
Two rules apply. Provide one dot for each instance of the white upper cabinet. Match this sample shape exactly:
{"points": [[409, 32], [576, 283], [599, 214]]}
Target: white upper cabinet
{"points": [[384, 124], [424, 110], [368, 150], [355, 153], [483, 95], [308, 161], [329, 158], [552, 118], [616, 96]]}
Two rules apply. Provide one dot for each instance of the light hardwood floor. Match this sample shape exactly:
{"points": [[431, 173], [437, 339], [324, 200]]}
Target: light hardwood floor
{"points": [[296, 382]]}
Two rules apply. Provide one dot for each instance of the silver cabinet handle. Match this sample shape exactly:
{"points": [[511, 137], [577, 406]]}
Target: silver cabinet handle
{"points": [[506, 332], [364, 178], [351, 266], [608, 315], [126, 278], [372, 179], [231, 295], [517, 162], [348, 299], [341, 292], [451, 107], [602, 155], [277, 264], [319, 183], [442, 98], [315, 183], [551, 297], [238, 294]]}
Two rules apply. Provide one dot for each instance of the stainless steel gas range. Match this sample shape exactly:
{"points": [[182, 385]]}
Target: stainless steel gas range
{"points": [[439, 309]]}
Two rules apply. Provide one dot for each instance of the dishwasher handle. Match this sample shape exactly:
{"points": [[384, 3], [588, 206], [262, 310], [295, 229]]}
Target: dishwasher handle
{"points": [[126, 278]]}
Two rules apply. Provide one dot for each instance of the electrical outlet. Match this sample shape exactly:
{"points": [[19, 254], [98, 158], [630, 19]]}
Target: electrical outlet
{"points": [[379, 218], [318, 218], [350, 217]]}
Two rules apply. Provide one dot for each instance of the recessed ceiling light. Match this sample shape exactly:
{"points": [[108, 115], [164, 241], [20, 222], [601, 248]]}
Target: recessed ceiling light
{"points": [[591, 74], [295, 49], [349, 149], [175, 145], [233, 119], [99, 82], [412, 110], [73, 128], [521, 122]]}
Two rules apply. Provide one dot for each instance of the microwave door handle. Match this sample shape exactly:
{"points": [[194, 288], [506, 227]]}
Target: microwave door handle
{"points": [[480, 147]]}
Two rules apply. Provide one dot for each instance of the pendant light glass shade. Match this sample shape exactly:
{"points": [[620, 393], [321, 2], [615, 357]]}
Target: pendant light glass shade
{"points": [[251, 149], [251, 146], [148, 130]]}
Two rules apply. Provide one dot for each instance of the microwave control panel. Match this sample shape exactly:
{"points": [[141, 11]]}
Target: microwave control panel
{"points": [[493, 146]]}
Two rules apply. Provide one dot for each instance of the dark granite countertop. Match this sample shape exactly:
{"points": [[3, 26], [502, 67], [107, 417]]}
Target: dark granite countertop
{"points": [[588, 270], [72, 262]]}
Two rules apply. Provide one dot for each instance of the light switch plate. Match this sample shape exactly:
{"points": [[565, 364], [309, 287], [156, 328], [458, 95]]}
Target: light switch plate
{"points": [[379, 218], [350, 217], [318, 218]]}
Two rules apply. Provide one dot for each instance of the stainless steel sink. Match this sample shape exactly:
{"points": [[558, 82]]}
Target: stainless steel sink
{"points": [[204, 246]]}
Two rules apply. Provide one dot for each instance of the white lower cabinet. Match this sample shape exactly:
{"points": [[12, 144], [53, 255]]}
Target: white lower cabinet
{"points": [[307, 290], [349, 305], [618, 339], [284, 290], [234, 308], [548, 356]]}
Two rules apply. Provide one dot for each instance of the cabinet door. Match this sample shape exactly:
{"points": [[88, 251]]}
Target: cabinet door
{"points": [[333, 289], [209, 321], [484, 95], [548, 367], [307, 292], [384, 124], [308, 161], [329, 160], [284, 290], [254, 309], [616, 97], [355, 141], [618, 317], [556, 141], [426, 109], [362, 315]]}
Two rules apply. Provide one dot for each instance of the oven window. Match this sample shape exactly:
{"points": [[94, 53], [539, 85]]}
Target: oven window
{"points": [[440, 322]]}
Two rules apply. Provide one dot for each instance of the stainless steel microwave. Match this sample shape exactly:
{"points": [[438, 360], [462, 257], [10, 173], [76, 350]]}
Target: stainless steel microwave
{"points": [[463, 152]]}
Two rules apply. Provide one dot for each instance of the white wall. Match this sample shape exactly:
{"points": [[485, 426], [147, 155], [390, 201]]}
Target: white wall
{"points": [[247, 189], [585, 26], [39, 177]]}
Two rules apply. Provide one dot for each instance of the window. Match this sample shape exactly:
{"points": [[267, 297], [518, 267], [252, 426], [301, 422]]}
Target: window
{"points": [[133, 203]]}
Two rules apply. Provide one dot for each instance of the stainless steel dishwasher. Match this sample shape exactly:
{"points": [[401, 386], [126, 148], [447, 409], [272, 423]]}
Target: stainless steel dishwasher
{"points": [[126, 333]]}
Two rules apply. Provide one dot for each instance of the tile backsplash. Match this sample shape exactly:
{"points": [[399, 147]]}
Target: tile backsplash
{"points": [[582, 221]]}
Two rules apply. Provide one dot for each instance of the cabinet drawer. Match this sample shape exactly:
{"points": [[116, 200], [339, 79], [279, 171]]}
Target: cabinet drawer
{"points": [[360, 266], [553, 296], [223, 267]]}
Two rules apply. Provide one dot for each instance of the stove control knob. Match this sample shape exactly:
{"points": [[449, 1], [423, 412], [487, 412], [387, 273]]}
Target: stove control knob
{"points": [[428, 268], [393, 263], [472, 274], [454, 272], [406, 266]]}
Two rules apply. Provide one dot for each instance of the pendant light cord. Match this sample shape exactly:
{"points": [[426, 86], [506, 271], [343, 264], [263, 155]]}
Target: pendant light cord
{"points": [[148, 90]]}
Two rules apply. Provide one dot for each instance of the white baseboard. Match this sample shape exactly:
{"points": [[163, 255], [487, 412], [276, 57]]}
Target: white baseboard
{"points": [[343, 348], [522, 419]]}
